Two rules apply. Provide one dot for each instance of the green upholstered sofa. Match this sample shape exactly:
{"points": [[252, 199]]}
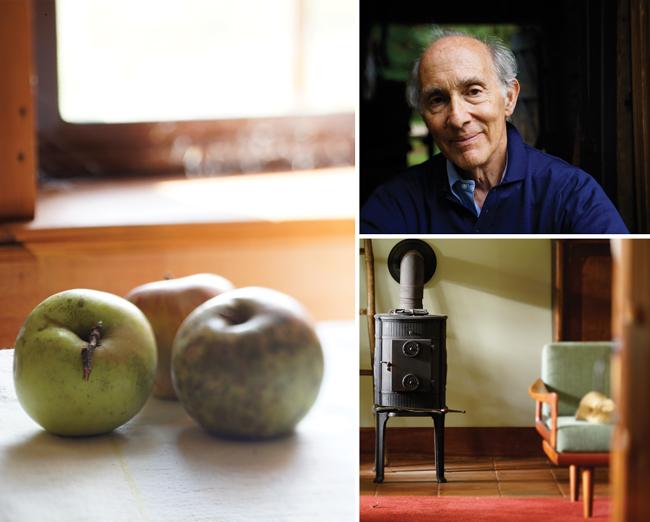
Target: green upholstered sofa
{"points": [[569, 371]]}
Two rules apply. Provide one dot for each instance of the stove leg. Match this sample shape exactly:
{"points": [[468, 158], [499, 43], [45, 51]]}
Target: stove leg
{"points": [[439, 428], [381, 419]]}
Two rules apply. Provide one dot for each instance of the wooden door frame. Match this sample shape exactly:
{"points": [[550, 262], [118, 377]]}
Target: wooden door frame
{"points": [[563, 328], [630, 476]]}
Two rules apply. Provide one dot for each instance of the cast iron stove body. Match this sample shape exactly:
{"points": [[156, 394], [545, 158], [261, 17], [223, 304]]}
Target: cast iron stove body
{"points": [[410, 364], [410, 360]]}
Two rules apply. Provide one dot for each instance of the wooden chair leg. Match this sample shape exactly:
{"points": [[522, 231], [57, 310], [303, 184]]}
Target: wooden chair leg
{"points": [[573, 482], [587, 492]]}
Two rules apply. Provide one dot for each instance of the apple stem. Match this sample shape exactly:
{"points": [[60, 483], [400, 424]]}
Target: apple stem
{"points": [[88, 350]]}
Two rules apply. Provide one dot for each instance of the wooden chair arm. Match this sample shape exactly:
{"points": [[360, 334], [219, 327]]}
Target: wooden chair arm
{"points": [[541, 394]]}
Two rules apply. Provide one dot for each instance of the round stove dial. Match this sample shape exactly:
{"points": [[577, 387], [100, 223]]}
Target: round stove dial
{"points": [[411, 349], [410, 382]]}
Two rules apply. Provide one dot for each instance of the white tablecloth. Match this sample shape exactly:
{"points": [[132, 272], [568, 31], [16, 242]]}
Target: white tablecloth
{"points": [[161, 466]]}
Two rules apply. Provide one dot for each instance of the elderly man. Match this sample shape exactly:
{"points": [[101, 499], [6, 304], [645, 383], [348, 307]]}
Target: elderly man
{"points": [[486, 180]]}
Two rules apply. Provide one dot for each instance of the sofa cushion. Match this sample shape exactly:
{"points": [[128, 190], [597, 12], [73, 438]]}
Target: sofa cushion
{"points": [[582, 436], [573, 368]]}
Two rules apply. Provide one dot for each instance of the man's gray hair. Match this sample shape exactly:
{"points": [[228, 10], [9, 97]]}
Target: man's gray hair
{"points": [[503, 59]]}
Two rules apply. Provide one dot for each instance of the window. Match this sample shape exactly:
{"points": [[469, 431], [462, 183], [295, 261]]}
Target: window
{"points": [[195, 86]]}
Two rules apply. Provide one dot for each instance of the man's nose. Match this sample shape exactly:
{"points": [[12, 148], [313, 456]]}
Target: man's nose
{"points": [[458, 114]]}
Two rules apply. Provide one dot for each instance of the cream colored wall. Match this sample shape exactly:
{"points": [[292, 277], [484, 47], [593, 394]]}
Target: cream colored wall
{"points": [[497, 294]]}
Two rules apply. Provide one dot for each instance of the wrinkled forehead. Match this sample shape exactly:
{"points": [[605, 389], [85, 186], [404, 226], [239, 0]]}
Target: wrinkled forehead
{"points": [[454, 58]]}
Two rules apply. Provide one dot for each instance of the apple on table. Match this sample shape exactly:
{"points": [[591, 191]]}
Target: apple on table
{"points": [[247, 364], [166, 304], [84, 362]]}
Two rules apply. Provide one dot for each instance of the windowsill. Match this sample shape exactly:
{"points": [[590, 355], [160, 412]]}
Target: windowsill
{"points": [[293, 232], [81, 209]]}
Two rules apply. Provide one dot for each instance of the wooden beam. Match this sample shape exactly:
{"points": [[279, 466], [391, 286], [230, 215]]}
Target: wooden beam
{"points": [[640, 40], [17, 131], [626, 193], [369, 259]]}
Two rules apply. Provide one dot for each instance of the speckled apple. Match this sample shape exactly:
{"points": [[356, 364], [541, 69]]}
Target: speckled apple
{"points": [[247, 364], [166, 304], [49, 370]]}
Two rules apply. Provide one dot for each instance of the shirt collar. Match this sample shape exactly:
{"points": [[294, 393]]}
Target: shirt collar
{"points": [[463, 189], [453, 176]]}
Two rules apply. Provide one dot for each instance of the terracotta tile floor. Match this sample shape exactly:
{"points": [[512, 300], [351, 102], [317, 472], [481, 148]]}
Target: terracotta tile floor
{"points": [[467, 476]]}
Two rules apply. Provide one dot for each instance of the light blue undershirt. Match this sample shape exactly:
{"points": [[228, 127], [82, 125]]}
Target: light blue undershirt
{"points": [[463, 188]]}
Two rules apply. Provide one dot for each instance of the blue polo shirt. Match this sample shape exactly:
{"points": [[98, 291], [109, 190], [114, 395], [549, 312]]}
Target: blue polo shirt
{"points": [[464, 189], [539, 194]]}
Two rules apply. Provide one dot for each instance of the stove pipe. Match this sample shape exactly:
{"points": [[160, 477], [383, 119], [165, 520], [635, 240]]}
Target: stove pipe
{"points": [[411, 281]]}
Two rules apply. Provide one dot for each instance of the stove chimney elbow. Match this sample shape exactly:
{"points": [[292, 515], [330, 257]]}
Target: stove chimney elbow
{"points": [[411, 281], [411, 263]]}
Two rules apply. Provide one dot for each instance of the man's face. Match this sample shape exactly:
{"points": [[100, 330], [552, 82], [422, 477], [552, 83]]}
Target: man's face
{"points": [[463, 103]]}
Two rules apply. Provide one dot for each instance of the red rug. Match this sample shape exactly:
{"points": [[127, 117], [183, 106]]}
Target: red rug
{"points": [[477, 509]]}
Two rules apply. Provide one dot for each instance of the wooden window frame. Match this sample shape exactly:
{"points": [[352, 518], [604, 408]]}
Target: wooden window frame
{"points": [[17, 140], [150, 149]]}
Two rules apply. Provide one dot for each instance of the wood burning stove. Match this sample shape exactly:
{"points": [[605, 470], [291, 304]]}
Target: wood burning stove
{"points": [[410, 366]]}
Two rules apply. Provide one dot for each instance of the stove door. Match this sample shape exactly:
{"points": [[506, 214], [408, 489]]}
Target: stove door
{"points": [[413, 365]]}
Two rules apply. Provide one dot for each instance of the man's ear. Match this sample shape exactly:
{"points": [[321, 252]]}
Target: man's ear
{"points": [[511, 97]]}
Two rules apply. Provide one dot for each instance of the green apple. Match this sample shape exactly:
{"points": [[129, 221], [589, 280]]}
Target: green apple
{"points": [[166, 304], [247, 364], [84, 362]]}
